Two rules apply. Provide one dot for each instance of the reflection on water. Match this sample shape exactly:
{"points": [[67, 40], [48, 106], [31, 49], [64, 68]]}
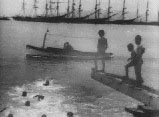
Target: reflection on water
{"points": [[72, 88]]}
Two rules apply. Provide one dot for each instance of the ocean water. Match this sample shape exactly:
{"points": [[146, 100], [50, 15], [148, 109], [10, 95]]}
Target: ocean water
{"points": [[72, 88]]}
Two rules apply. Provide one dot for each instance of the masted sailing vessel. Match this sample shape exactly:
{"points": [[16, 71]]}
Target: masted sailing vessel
{"points": [[71, 14], [42, 18]]}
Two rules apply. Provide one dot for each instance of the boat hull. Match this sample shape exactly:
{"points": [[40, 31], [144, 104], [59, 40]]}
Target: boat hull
{"points": [[39, 19], [62, 19], [4, 18], [51, 53], [129, 21]]}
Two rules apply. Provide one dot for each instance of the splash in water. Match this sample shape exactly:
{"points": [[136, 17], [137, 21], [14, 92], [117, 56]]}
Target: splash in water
{"points": [[51, 105]]}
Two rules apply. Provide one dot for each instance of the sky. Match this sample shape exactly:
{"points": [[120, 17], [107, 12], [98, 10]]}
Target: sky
{"points": [[14, 7]]}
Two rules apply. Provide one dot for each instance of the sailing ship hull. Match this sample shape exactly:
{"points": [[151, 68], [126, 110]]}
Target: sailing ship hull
{"points": [[129, 21], [53, 19], [51, 53], [73, 20], [21, 18], [38, 19], [146, 23], [95, 21], [4, 18], [61, 19]]}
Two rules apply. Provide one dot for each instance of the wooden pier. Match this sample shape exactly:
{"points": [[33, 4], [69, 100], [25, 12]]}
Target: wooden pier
{"points": [[146, 95]]}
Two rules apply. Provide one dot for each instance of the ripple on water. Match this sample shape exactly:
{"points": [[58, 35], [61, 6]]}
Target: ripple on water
{"points": [[52, 105]]}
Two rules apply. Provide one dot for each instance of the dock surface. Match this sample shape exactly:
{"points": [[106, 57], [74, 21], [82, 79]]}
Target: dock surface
{"points": [[146, 95]]}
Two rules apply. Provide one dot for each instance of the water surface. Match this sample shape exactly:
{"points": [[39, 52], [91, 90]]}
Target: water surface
{"points": [[72, 88]]}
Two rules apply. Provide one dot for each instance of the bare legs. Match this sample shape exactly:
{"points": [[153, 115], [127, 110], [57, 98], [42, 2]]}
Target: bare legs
{"points": [[139, 79], [137, 69], [126, 71], [103, 64]]}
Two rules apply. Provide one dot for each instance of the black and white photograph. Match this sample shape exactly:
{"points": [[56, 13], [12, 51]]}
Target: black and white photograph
{"points": [[79, 58]]}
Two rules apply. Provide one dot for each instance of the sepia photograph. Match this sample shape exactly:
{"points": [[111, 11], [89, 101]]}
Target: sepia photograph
{"points": [[79, 58]]}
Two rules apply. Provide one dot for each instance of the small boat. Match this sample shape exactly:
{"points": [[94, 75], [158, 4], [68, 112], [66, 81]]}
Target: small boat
{"points": [[60, 53]]}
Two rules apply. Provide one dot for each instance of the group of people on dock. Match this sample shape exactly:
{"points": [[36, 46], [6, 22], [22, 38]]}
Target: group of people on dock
{"points": [[135, 60]]}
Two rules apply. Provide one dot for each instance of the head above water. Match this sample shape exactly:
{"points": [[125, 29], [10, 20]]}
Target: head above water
{"points": [[130, 47], [138, 39], [10, 115], [101, 33], [70, 114], [47, 30], [43, 115]]}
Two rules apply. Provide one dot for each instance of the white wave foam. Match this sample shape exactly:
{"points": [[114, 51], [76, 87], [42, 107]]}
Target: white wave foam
{"points": [[51, 105]]}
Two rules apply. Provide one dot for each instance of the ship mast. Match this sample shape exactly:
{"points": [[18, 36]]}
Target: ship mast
{"points": [[79, 9], [109, 12], [50, 7], [23, 7], [35, 7], [57, 8], [123, 11], [99, 10], [73, 9], [137, 12], [96, 5], [46, 9], [68, 8], [147, 10]]}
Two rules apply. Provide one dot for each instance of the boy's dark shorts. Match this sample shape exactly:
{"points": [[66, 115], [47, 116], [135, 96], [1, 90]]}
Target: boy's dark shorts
{"points": [[101, 52]]}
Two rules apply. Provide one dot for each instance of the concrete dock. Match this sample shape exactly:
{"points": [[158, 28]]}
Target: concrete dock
{"points": [[146, 95]]}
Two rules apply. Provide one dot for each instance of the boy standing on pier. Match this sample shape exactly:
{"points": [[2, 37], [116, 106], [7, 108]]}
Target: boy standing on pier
{"points": [[101, 47], [132, 59], [139, 53]]}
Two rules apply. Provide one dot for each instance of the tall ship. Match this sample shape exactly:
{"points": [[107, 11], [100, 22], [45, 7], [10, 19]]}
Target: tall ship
{"points": [[46, 17], [123, 20], [72, 15], [97, 15], [110, 14], [69, 17], [146, 21], [22, 16]]}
